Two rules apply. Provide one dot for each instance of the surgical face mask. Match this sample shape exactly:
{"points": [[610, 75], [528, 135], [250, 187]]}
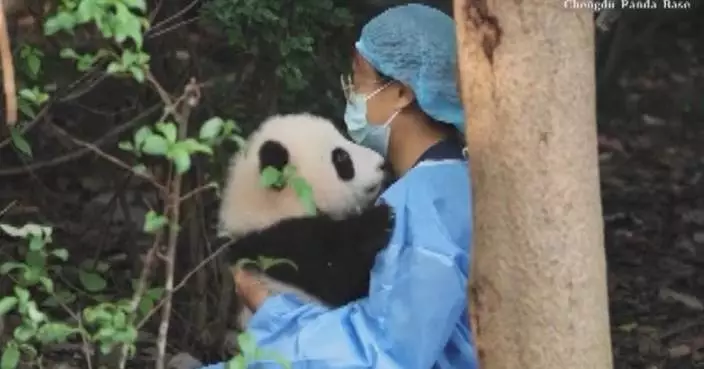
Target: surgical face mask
{"points": [[375, 137]]}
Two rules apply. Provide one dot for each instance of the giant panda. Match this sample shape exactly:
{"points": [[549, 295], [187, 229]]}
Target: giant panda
{"points": [[334, 249]]}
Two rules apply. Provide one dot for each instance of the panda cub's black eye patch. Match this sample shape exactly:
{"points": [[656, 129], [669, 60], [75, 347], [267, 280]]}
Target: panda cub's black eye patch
{"points": [[342, 162]]}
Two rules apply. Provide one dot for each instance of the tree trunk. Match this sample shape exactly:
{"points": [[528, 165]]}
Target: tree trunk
{"points": [[538, 293]]}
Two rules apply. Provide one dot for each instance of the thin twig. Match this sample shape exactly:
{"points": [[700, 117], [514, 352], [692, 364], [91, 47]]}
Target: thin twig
{"points": [[28, 126], [197, 191], [109, 158], [169, 19], [171, 28], [7, 208], [80, 153], [8, 70], [182, 116], [86, 347], [141, 289], [185, 279]]}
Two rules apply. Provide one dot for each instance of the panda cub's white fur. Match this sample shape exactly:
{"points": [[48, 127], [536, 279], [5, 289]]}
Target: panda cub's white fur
{"points": [[335, 249]]}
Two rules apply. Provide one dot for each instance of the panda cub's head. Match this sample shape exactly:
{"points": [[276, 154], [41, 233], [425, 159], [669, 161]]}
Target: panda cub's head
{"points": [[345, 177]]}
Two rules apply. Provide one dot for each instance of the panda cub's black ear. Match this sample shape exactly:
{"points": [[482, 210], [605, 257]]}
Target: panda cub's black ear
{"points": [[273, 154]]}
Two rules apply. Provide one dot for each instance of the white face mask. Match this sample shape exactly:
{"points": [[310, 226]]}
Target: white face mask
{"points": [[375, 137]]}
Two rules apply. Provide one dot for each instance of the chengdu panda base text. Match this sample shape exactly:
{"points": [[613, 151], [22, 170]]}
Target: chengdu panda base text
{"points": [[333, 250]]}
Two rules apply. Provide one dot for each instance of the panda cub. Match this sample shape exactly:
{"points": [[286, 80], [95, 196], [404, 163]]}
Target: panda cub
{"points": [[334, 250]]}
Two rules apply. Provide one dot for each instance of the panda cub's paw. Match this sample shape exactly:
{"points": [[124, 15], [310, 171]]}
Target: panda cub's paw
{"points": [[379, 217]]}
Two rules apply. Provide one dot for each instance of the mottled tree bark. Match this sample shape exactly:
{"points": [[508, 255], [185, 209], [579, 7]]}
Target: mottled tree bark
{"points": [[538, 293]]}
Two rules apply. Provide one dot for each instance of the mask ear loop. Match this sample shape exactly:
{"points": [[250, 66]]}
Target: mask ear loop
{"points": [[387, 84], [391, 118]]}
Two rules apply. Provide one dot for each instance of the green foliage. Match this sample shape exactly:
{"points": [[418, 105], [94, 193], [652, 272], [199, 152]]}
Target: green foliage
{"points": [[287, 35], [272, 177], [33, 282], [286, 32], [116, 19], [250, 352], [121, 21]]}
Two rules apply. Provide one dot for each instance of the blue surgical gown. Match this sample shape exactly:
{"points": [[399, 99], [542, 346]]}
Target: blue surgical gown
{"points": [[415, 316]]}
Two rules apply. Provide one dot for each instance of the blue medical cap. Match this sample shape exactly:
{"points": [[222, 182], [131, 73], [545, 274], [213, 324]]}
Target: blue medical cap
{"points": [[416, 44]]}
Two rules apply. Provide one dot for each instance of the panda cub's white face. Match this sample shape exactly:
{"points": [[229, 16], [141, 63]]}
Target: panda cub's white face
{"points": [[345, 177]]}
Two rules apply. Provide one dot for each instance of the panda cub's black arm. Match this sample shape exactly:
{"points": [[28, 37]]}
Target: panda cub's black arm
{"points": [[333, 257]]}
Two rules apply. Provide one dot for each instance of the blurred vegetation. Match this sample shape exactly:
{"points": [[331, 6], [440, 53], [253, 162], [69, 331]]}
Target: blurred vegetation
{"points": [[88, 173]]}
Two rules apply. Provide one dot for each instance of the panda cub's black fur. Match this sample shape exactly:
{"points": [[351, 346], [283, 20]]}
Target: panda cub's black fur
{"points": [[334, 257]]}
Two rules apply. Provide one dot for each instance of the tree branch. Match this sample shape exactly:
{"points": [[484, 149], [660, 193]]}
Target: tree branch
{"points": [[8, 70]]}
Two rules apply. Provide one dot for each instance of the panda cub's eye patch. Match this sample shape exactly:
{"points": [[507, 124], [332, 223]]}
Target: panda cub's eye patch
{"points": [[343, 164]]}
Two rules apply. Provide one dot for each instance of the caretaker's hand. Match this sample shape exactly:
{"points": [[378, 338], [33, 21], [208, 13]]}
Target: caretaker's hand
{"points": [[250, 289]]}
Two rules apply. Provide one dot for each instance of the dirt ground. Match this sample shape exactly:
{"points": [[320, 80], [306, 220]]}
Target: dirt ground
{"points": [[651, 128], [652, 156]]}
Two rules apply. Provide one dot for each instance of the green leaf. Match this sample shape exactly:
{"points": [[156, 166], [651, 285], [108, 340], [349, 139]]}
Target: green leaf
{"points": [[85, 62], [55, 332], [102, 267], [47, 283], [34, 314], [136, 4], [125, 145], [7, 304], [137, 73], [26, 108], [88, 10], [141, 135], [127, 335], [168, 130], [105, 332], [10, 356], [182, 160], [239, 140], [19, 142], [238, 362], [29, 229], [60, 253], [61, 21], [31, 276], [34, 64], [22, 294], [211, 128], [155, 145], [36, 259], [155, 293], [145, 306], [10, 266], [246, 343], [266, 262], [68, 53], [114, 68], [24, 332], [60, 297], [106, 347], [140, 168], [192, 146], [92, 281], [305, 193], [289, 171], [128, 25], [270, 176], [119, 320], [242, 262], [36, 243]]}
